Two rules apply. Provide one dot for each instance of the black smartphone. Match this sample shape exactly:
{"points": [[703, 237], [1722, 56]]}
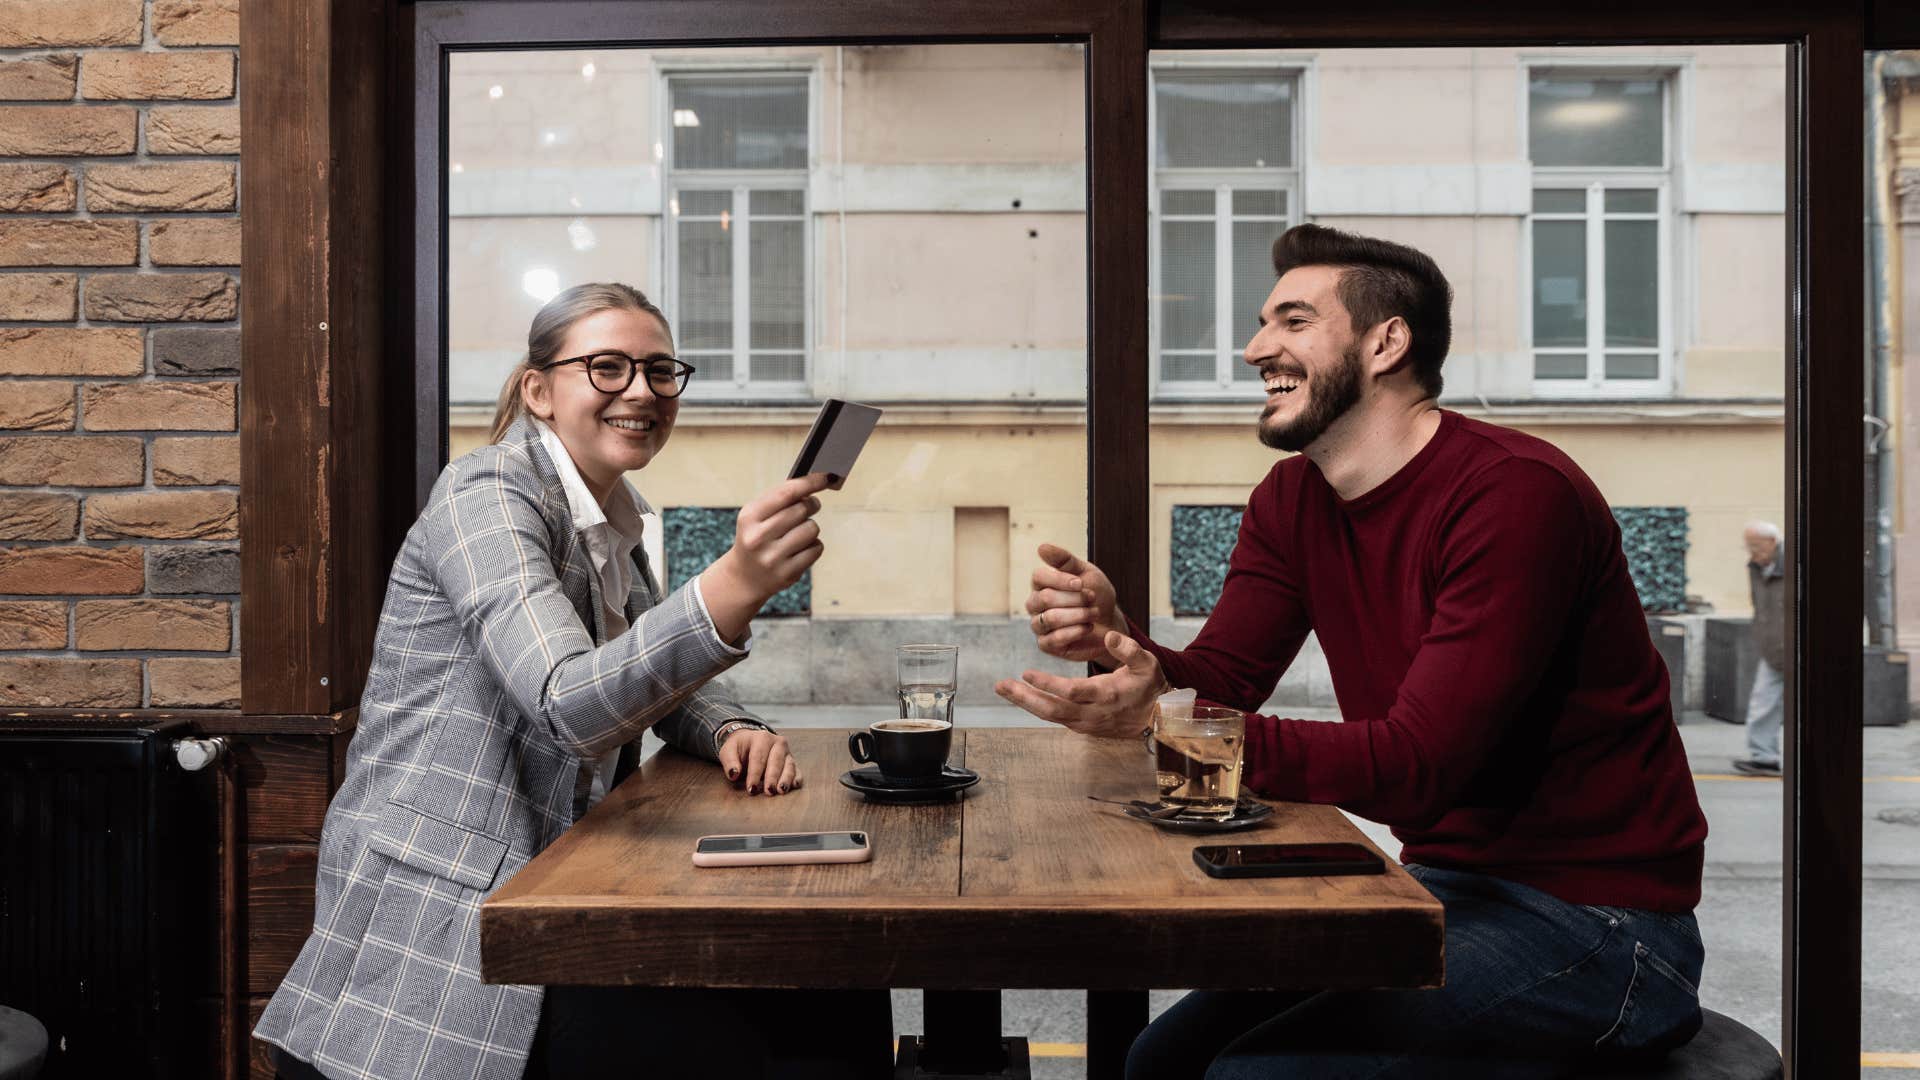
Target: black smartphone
{"points": [[1287, 860]]}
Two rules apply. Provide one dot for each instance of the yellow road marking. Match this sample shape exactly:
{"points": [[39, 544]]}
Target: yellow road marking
{"points": [[1877, 1060], [1775, 779], [1870, 1060]]}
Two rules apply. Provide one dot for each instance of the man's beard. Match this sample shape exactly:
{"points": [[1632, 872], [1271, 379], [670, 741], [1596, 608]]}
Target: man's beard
{"points": [[1328, 400]]}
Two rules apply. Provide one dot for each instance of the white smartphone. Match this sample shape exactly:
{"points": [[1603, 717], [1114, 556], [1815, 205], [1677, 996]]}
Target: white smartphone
{"points": [[773, 849]]}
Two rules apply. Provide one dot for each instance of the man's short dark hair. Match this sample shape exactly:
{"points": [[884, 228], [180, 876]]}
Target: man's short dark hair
{"points": [[1380, 279]]}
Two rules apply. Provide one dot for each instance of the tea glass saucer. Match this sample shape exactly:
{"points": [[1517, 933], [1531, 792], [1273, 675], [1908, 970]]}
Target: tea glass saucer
{"points": [[1248, 812]]}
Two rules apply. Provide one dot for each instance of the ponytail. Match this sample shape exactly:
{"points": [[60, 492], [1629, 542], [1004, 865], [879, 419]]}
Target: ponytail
{"points": [[511, 407]]}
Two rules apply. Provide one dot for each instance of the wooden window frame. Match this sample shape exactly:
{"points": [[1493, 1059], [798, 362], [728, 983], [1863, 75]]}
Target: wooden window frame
{"points": [[337, 299]]}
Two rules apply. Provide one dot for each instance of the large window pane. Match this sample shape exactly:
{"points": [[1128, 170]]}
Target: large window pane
{"points": [[1559, 283], [739, 123], [1223, 121], [1633, 283], [944, 280], [1587, 122], [1621, 302], [1890, 888]]}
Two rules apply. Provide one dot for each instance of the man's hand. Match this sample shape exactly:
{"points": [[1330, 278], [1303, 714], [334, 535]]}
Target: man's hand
{"points": [[759, 761], [1118, 704], [1072, 608]]}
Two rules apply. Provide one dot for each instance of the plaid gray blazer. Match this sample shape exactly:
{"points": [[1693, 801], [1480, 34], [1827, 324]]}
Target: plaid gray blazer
{"points": [[485, 699]]}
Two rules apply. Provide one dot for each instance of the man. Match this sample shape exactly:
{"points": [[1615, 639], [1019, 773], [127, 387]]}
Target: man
{"points": [[1765, 706], [1505, 710]]}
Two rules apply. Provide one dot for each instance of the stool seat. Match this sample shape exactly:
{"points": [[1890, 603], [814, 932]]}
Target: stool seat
{"points": [[1725, 1049], [23, 1045]]}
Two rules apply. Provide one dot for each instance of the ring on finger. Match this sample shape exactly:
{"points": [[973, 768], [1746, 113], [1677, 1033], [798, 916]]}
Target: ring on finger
{"points": [[1045, 627]]}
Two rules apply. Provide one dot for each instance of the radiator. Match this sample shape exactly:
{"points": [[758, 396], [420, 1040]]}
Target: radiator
{"points": [[107, 913]]}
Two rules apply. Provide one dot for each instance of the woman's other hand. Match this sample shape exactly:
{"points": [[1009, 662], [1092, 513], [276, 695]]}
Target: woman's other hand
{"points": [[759, 761], [775, 540]]}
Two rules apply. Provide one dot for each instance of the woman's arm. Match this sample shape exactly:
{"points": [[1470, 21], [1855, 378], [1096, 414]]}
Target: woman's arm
{"points": [[495, 565]]}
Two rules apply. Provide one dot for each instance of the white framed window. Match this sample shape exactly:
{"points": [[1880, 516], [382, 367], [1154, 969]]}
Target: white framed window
{"points": [[1599, 247], [1226, 182], [735, 161]]}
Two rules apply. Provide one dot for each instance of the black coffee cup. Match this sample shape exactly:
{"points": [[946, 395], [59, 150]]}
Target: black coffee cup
{"points": [[906, 749]]}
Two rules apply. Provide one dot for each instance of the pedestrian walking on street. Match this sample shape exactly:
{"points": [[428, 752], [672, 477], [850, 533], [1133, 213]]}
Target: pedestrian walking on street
{"points": [[1766, 705]]}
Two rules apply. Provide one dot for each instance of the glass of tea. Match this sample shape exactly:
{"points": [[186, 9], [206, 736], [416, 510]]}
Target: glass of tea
{"points": [[1197, 757]]}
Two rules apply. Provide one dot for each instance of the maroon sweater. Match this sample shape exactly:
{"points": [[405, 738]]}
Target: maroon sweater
{"points": [[1505, 710]]}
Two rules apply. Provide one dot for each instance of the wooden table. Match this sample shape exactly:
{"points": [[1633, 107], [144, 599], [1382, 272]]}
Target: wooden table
{"points": [[1024, 883]]}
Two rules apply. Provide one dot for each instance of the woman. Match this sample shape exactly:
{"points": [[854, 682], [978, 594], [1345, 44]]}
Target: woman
{"points": [[523, 649]]}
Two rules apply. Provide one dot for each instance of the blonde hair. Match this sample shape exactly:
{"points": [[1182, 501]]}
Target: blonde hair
{"points": [[549, 331]]}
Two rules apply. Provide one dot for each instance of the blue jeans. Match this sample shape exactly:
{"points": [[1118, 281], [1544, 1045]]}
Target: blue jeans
{"points": [[1535, 986]]}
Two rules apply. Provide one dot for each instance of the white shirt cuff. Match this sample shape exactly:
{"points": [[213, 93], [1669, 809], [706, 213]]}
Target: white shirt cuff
{"points": [[746, 639]]}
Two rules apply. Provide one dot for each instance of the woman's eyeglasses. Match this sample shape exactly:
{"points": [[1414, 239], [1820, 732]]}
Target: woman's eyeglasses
{"points": [[612, 372]]}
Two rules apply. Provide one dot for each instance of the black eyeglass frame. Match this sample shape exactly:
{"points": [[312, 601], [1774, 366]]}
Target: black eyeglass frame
{"points": [[683, 371]]}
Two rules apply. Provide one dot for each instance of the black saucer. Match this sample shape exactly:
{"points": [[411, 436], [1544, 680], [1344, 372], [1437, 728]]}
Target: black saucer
{"points": [[1245, 813], [876, 787]]}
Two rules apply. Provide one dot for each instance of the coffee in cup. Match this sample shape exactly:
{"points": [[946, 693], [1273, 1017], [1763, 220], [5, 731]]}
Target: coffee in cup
{"points": [[905, 749]]}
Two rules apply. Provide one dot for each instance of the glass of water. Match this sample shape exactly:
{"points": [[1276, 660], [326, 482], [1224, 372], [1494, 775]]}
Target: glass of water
{"points": [[928, 676]]}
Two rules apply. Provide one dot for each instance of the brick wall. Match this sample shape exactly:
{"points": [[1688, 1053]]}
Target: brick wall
{"points": [[119, 353]]}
